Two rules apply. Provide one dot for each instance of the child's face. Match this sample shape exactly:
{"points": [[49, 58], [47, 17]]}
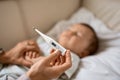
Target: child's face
{"points": [[77, 38]]}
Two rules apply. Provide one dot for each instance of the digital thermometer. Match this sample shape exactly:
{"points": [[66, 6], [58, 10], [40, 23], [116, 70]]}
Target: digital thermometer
{"points": [[51, 42]]}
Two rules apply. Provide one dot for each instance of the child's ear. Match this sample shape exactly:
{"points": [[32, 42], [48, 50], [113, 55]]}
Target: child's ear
{"points": [[84, 54]]}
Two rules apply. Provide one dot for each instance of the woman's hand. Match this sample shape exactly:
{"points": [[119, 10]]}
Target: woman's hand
{"points": [[43, 70], [17, 54]]}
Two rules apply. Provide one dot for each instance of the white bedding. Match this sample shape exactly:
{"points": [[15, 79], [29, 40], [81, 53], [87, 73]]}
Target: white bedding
{"points": [[105, 65]]}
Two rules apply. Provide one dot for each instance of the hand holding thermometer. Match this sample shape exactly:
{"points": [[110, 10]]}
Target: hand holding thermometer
{"points": [[51, 42]]}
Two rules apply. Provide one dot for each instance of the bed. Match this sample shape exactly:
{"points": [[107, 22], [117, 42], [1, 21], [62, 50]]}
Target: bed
{"points": [[103, 15], [104, 18]]}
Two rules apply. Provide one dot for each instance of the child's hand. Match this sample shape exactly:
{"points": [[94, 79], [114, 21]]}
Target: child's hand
{"points": [[32, 56]]}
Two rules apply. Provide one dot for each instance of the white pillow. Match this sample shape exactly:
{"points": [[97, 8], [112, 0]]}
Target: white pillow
{"points": [[106, 64]]}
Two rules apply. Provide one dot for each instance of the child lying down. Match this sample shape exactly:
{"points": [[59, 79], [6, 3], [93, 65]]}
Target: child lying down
{"points": [[81, 39]]}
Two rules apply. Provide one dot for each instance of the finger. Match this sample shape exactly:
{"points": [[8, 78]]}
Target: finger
{"points": [[51, 63], [31, 45], [30, 54], [34, 55], [54, 61], [31, 42], [68, 57], [52, 50], [38, 55], [27, 54], [32, 48], [37, 48], [58, 61], [66, 65], [62, 59], [53, 56], [26, 63], [28, 42], [34, 43]]}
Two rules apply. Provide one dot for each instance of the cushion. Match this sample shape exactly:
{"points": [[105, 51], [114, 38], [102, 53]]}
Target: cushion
{"points": [[106, 10]]}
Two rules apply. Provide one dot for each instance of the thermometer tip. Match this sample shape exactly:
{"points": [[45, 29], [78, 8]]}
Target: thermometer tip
{"points": [[34, 28]]}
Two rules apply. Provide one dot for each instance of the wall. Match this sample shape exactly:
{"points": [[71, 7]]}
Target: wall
{"points": [[106, 10], [17, 17]]}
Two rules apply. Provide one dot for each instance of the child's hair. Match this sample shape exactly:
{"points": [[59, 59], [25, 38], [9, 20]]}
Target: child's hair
{"points": [[94, 42]]}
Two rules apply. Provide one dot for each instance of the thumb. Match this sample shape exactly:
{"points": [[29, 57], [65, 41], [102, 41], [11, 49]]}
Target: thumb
{"points": [[32, 47]]}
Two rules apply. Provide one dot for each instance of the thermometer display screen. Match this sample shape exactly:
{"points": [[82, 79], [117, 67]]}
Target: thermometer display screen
{"points": [[53, 44]]}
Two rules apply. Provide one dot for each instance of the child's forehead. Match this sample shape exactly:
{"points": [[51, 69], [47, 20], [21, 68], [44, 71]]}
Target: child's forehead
{"points": [[80, 27]]}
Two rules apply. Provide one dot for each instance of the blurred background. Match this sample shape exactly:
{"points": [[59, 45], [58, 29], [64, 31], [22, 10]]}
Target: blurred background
{"points": [[17, 17]]}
